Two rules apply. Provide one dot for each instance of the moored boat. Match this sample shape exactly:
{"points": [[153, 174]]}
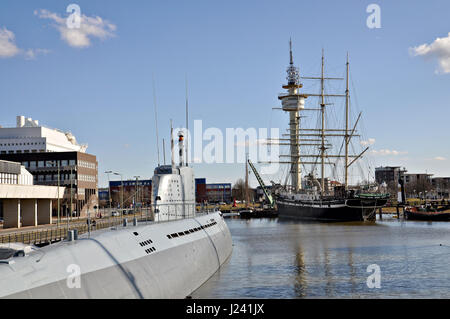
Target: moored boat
{"points": [[426, 213], [313, 197], [246, 213]]}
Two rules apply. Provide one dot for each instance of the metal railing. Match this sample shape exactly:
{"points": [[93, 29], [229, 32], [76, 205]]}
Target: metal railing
{"points": [[54, 233], [91, 224]]}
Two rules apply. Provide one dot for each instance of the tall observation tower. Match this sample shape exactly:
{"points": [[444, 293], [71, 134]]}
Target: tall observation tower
{"points": [[292, 102]]}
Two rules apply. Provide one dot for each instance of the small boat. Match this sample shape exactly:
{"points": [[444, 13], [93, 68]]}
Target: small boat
{"points": [[258, 213], [266, 213], [246, 213], [228, 214], [427, 213]]}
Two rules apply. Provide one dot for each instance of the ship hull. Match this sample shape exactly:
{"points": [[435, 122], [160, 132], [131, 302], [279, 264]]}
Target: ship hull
{"points": [[345, 210], [119, 263]]}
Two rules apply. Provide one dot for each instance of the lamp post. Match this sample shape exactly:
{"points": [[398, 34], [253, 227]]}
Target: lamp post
{"points": [[59, 217], [109, 191], [121, 193], [57, 164], [70, 210], [136, 194]]}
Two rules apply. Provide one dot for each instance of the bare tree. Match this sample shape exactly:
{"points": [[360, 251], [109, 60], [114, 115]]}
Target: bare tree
{"points": [[413, 189], [392, 189], [239, 189]]}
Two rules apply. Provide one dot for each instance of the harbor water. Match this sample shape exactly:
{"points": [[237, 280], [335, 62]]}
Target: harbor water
{"points": [[274, 258]]}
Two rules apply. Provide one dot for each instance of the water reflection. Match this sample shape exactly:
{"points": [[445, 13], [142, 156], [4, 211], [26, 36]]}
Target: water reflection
{"points": [[301, 283], [352, 270], [289, 259]]}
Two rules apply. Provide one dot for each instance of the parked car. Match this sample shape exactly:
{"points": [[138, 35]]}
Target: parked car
{"points": [[114, 214]]}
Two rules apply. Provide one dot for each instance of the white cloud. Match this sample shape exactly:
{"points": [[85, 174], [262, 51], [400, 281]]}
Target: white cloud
{"points": [[370, 141], [90, 27], [439, 49], [31, 54], [385, 152], [8, 46], [439, 158]]}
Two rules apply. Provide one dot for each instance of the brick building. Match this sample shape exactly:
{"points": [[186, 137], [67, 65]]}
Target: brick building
{"points": [[218, 192], [78, 172]]}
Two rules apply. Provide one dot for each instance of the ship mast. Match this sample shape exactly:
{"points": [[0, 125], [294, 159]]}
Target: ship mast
{"points": [[347, 140], [246, 182], [322, 111], [293, 102]]}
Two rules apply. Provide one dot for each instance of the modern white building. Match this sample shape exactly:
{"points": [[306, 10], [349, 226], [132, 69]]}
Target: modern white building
{"points": [[14, 173], [21, 202], [30, 137]]}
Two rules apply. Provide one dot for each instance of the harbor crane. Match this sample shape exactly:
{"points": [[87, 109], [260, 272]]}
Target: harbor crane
{"points": [[263, 186]]}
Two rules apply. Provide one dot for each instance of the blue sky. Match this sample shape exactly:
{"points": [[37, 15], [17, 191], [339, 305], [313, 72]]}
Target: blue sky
{"points": [[234, 54]]}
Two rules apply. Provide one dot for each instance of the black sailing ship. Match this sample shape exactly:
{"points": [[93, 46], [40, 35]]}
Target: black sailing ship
{"points": [[310, 199]]}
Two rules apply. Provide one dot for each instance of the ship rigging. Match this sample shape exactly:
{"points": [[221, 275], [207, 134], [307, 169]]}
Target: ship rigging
{"points": [[293, 102], [310, 198]]}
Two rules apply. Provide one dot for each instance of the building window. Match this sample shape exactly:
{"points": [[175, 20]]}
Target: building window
{"points": [[50, 164], [40, 163]]}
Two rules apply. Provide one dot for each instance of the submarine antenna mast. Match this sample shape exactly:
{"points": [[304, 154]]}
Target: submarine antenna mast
{"points": [[156, 119], [187, 125]]}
